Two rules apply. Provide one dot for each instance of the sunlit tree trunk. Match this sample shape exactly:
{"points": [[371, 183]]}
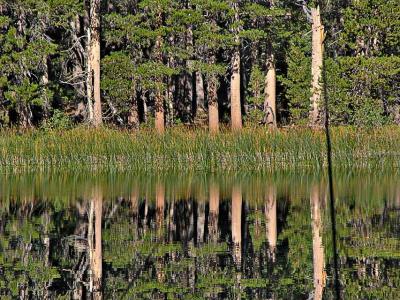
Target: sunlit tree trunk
{"points": [[271, 221], [270, 92], [93, 82], [236, 110], [316, 67], [237, 224], [318, 248], [94, 243]]}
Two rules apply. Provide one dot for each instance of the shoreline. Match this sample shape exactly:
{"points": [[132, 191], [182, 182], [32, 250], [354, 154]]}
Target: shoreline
{"points": [[180, 149]]}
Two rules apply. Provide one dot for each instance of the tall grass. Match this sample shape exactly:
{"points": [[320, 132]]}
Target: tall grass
{"points": [[185, 149]]}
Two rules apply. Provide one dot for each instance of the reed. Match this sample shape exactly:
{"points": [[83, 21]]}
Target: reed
{"points": [[186, 149]]}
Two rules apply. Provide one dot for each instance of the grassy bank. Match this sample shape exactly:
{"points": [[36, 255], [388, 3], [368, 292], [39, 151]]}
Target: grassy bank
{"points": [[183, 149]]}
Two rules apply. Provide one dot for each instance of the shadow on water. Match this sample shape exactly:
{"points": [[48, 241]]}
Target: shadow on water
{"points": [[197, 236]]}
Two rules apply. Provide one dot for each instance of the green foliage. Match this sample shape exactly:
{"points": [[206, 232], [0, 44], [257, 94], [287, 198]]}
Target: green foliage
{"points": [[298, 79], [361, 90], [58, 121], [371, 27], [148, 45], [118, 80], [257, 95]]}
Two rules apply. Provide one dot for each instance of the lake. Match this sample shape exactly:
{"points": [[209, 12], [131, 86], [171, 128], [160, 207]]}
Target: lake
{"points": [[124, 235]]}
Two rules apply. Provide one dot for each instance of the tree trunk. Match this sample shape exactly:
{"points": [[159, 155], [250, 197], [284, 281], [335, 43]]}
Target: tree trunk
{"points": [[236, 110], [159, 99], [200, 100], [93, 82], [94, 243], [213, 115], [237, 224], [271, 221], [316, 67], [270, 93], [79, 61], [318, 248]]}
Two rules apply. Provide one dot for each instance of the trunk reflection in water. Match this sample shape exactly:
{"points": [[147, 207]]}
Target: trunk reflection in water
{"points": [[318, 248], [94, 243], [271, 222], [206, 237]]}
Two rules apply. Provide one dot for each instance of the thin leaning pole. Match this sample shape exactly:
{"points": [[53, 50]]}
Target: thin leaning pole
{"points": [[330, 180]]}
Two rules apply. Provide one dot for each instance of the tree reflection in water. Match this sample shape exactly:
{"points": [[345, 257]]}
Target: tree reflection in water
{"points": [[213, 237]]}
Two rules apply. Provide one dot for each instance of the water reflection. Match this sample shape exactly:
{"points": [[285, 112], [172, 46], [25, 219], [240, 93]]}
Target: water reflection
{"points": [[213, 237], [318, 247]]}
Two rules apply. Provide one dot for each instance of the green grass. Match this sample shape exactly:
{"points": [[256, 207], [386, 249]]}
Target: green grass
{"points": [[184, 149]]}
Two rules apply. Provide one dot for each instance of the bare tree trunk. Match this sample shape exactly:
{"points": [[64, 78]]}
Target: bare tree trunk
{"points": [[93, 81], [94, 243], [159, 99], [237, 224], [236, 110], [89, 80], [79, 59], [316, 67], [318, 248], [213, 115], [271, 221], [200, 99], [270, 92]]}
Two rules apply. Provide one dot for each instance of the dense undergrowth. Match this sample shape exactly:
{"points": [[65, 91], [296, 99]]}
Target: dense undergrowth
{"points": [[185, 149]]}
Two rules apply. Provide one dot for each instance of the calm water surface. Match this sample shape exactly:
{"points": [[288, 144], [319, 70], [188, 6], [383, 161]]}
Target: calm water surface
{"points": [[111, 235]]}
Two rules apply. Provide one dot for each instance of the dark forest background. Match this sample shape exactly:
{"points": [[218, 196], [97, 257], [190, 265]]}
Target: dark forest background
{"points": [[182, 51]]}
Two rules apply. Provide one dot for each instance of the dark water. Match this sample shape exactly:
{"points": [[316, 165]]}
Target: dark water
{"points": [[186, 236]]}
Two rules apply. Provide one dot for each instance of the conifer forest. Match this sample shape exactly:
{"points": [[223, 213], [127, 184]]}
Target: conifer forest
{"points": [[202, 63], [200, 149]]}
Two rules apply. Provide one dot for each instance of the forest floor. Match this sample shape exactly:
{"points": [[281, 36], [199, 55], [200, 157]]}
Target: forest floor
{"points": [[252, 149]]}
